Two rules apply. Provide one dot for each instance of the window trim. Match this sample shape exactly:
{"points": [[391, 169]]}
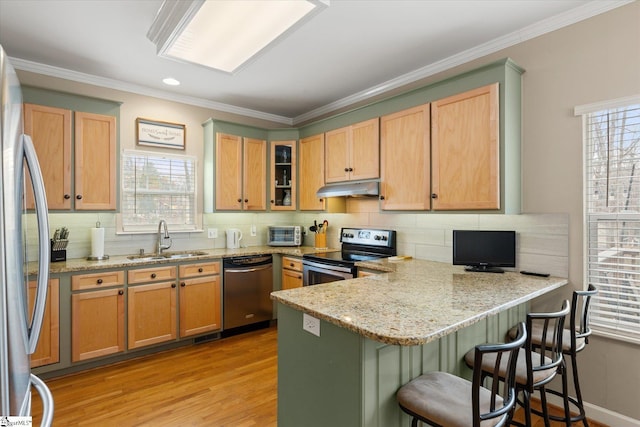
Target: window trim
{"points": [[152, 228], [584, 111]]}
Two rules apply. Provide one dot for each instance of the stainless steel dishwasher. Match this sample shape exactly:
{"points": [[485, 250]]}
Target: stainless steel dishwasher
{"points": [[248, 283]]}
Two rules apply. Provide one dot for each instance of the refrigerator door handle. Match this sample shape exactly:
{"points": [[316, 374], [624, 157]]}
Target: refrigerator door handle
{"points": [[47, 400], [43, 242]]}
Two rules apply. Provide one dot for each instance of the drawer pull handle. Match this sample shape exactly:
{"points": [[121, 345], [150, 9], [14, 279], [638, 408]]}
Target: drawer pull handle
{"points": [[120, 292], [200, 270], [173, 285], [99, 281], [292, 265], [183, 284], [153, 275]]}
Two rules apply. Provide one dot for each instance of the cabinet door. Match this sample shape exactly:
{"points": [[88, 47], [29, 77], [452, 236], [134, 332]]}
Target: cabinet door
{"points": [[254, 175], [291, 279], [152, 314], [404, 159], [311, 172], [50, 130], [228, 172], [283, 162], [466, 150], [95, 161], [48, 349], [337, 154], [364, 154], [97, 324], [200, 306]]}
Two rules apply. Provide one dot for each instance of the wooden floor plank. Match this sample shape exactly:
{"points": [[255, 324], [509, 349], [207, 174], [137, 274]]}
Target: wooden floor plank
{"points": [[231, 382]]}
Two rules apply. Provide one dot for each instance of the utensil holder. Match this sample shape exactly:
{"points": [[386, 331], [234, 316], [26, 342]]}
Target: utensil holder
{"points": [[59, 250], [321, 241]]}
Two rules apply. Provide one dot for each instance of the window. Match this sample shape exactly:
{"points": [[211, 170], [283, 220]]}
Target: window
{"points": [[612, 217], [157, 186]]}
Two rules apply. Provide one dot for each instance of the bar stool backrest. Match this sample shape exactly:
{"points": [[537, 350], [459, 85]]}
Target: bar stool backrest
{"points": [[541, 360], [579, 321]]}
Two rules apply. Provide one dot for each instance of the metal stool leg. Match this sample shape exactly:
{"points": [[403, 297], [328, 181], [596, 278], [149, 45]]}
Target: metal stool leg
{"points": [[576, 384]]}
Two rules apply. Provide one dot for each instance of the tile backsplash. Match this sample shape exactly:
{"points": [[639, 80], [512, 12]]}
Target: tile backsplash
{"points": [[542, 243]]}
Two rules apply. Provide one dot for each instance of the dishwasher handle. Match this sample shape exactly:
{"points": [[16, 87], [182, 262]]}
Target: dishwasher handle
{"points": [[247, 270]]}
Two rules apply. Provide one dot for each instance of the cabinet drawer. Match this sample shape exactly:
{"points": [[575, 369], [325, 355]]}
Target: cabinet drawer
{"points": [[145, 275], [292, 263], [91, 281], [202, 269]]}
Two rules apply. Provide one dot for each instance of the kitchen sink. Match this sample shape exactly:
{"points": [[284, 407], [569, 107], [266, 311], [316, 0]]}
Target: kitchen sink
{"points": [[165, 255]]}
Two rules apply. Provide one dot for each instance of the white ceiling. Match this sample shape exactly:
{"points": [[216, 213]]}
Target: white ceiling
{"points": [[352, 50]]}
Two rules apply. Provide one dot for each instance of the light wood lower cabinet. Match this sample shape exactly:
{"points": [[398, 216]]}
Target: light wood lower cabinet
{"points": [[291, 273], [200, 301], [151, 314], [151, 307], [48, 349], [97, 323]]}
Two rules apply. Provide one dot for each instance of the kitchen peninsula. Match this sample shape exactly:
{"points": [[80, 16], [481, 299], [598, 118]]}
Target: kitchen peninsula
{"points": [[378, 332]]}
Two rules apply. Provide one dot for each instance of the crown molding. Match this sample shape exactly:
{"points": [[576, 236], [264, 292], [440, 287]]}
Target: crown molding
{"points": [[573, 16], [75, 76], [578, 14]]}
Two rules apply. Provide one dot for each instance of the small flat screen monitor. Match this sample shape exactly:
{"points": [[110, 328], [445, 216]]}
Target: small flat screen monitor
{"points": [[483, 250]]}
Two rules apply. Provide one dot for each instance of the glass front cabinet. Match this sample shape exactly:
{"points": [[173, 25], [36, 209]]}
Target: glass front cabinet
{"points": [[283, 175]]}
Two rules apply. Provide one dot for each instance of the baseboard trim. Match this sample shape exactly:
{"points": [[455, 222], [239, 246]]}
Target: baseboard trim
{"points": [[599, 414]]}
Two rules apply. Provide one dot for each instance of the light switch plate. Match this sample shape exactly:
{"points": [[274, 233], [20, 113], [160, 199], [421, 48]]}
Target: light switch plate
{"points": [[311, 324], [212, 233], [253, 230]]}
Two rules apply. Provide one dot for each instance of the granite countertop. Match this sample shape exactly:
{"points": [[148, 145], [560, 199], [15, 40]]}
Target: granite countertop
{"points": [[415, 301], [121, 261]]}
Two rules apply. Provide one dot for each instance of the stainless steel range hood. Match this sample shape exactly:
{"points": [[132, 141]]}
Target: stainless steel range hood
{"points": [[351, 189]]}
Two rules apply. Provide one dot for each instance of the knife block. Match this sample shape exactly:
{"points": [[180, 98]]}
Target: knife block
{"points": [[59, 250]]}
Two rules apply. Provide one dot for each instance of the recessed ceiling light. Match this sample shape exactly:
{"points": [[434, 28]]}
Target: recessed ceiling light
{"points": [[170, 81], [225, 34]]}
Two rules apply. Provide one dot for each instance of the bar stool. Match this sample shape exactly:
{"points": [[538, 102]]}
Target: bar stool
{"points": [[575, 339], [534, 368], [443, 399]]}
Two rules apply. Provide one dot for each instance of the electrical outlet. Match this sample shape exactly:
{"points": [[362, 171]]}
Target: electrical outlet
{"points": [[253, 230], [212, 233], [311, 324]]}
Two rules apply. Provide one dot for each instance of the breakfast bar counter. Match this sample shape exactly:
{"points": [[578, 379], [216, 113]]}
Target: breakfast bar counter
{"points": [[374, 334]]}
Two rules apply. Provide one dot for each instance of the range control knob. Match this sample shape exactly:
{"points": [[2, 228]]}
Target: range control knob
{"points": [[377, 237]]}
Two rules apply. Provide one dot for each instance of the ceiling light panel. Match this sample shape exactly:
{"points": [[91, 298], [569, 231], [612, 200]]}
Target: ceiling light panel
{"points": [[225, 34]]}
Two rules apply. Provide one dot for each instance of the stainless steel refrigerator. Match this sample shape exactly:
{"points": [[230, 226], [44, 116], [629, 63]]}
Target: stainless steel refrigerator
{"points": [[19, 326]]}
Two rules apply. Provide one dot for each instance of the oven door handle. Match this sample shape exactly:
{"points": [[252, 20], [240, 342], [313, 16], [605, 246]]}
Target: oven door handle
{"points": [[329, 267]]}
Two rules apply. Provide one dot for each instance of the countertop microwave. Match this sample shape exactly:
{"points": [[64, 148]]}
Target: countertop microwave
{"points": [[284, 235]]}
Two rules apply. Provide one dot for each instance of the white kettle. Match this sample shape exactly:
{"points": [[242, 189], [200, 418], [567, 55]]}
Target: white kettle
{"points": [[234, 236]]}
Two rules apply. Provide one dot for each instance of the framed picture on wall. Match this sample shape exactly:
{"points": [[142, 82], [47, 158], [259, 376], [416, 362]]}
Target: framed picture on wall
{"points": [[160, 134]]}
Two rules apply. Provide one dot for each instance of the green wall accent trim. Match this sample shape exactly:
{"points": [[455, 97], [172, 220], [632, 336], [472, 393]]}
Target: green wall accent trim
{"points": [[52, 98]]}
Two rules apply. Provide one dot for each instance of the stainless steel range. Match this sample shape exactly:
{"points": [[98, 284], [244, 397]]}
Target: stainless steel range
{"points": [[358, 244]]}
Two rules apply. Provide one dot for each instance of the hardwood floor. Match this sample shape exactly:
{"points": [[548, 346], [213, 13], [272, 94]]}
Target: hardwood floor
{"points": [[227, 383], [230, 382]]}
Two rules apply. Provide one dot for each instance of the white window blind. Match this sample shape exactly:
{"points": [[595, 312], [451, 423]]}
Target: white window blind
{"points": [[612, 205], [157, 186]]}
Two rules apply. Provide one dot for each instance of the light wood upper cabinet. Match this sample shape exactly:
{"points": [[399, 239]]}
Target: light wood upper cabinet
{"points": [[311, 172], [48, 348], [50, 130], [352, 152], [466, 150], [283, 175], [405, 159], [254, 175], [95, 161], [240, 173]]}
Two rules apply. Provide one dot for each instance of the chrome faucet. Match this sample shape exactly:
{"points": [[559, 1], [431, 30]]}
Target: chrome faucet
{"points": [[160, 246]]}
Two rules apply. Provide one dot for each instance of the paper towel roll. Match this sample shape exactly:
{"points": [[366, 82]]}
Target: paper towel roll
{"points": [[97, 242]]}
